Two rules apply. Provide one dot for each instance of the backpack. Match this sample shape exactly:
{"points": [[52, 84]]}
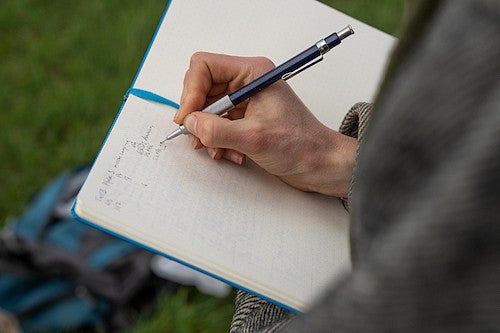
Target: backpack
{"points": [[58, 274]]}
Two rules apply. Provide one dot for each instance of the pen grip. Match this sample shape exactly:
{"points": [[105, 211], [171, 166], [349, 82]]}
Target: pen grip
{"points": [[274, 75], [220, 107]]}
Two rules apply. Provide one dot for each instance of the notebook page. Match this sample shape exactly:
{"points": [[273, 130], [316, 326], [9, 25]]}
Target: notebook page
{"points": [[236, 222]]}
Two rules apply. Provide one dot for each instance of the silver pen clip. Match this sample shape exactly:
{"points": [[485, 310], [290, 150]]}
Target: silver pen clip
{"points": [[286, 76], [322, 47]]}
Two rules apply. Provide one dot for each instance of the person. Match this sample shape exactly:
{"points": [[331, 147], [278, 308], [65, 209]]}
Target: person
{"points": [[425, 190]]}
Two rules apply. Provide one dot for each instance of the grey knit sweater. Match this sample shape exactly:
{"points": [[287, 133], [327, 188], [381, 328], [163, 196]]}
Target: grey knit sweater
{"points": [[425, 204]]}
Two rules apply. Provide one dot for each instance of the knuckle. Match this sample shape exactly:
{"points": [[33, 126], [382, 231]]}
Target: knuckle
{"points": [[197, 57], [264, 63]]}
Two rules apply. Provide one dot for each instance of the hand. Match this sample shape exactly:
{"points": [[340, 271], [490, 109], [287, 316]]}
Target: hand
{"points": [[273, 128]]}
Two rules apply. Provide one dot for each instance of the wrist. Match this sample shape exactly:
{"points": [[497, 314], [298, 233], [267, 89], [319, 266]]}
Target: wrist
{"points": [[342, 160], [331, 164], [326, 165]]}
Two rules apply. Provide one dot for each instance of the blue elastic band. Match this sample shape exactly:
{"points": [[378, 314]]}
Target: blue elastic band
{"points": [[151, 97]]}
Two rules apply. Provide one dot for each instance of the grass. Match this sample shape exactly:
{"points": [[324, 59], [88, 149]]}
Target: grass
{"points": [[385, 15], [188, 311], [65, 66]]}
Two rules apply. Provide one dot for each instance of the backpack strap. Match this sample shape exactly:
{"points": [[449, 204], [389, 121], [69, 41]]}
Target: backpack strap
{"points": [[34, 221]]}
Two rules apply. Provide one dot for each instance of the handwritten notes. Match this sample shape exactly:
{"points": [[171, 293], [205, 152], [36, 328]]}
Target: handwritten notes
{"points": [[117, 176]]}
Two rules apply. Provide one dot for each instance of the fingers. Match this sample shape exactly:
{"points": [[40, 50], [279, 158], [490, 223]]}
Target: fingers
{"points": [[213, 131], [194, 93], [234, 156], [218, 153], [227, 154], [215, 153], [211, 76], [195, 142], [208, 76]]}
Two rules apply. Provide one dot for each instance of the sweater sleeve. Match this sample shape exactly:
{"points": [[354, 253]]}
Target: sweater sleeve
{"points": [[356, 120], [354, 125], [253, 314]]}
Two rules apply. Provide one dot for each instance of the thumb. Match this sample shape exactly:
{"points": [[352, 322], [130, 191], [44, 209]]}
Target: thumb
{"points": [[212, 130]]}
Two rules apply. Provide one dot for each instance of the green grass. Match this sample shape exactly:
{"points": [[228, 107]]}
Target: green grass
{"points": [[65, 66], [188, 311], [385, 15]]}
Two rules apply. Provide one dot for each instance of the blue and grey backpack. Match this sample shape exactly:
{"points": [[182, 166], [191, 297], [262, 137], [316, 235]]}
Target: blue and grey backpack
{"points": [[57, 274]]}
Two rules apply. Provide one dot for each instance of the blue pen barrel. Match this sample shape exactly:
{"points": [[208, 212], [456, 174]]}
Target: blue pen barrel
{"points": [[289, 66], [332, 40], [274, 75], [293, 66]]}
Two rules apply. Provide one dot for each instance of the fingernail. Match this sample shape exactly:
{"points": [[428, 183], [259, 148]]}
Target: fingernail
{"points": [[212, 152], [234, 156]]}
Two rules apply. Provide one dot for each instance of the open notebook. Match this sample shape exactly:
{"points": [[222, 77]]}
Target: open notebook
{"points": [[236, 223]]}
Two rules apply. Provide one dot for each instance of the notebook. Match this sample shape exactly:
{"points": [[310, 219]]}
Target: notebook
{"points": [[236, 223]]}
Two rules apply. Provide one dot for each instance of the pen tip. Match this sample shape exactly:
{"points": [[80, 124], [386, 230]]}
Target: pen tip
{"points": [[174, 134]]}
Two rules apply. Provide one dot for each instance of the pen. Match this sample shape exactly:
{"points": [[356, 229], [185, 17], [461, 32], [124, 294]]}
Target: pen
{"points": [[290, 68]]}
